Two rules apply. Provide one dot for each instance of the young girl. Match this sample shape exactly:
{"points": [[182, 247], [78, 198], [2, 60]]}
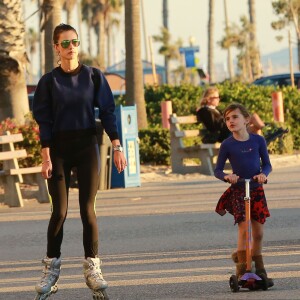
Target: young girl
{"points": [[248, 157]]}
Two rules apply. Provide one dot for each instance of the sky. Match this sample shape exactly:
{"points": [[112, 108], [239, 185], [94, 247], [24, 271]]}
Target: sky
{"points": [[188, 19]]}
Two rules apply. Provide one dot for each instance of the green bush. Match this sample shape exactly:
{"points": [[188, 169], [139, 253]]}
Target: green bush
{"points": [[155, 141], [185, 100], [155, 146]]}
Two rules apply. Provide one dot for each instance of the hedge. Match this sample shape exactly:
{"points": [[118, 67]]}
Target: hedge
{"points": [[155, 141]]}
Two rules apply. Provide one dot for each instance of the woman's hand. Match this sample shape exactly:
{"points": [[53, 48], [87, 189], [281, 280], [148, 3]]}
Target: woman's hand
{"points": [[120, 161], [47, 169]]}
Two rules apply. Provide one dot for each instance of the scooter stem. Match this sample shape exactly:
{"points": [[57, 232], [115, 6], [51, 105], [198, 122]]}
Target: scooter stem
{"points": [[248, 224]]}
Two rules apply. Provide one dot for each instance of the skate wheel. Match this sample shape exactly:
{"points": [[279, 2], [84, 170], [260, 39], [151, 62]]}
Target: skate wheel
{"points": [[233, 283], [105, 295], [100, 295], [265, 283], [41, 297]]}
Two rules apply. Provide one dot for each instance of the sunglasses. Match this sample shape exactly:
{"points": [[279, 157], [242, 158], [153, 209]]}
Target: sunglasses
{"points": [[66, 43]]}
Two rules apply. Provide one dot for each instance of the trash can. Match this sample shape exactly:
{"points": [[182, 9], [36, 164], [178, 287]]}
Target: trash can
{"points": [[128, 133]]}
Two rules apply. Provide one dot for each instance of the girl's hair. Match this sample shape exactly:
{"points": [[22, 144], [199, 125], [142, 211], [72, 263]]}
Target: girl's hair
{"points": [[235, 106], [207, 94], [62, 28]]}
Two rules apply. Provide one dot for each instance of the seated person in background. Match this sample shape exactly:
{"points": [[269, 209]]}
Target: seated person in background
{"points": [[212, 119]]}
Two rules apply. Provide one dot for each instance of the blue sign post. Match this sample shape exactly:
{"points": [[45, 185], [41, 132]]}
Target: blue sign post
{"points": [[189, 53]]}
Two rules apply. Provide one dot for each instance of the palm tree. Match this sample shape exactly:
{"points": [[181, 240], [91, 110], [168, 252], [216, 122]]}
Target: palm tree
{"points": [[134, 69], [51, 17], [229, 56], [211, 24], [68, 6], [239, 37], [87, 7], [288, 12], [169, 49], [99, 25], [103, 20], [112, 20], [255, 56], [31, 41], [166, 26], [13, 59]]}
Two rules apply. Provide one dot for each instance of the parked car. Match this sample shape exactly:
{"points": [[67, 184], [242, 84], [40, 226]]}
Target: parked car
{"points": [[278, 79]]}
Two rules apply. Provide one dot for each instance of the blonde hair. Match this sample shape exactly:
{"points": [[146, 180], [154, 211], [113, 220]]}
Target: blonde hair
{"points": [[207, 94]]}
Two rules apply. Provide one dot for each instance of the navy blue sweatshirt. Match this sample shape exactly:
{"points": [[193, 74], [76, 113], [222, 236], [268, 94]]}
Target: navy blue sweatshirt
{"points": [[64, 103]]}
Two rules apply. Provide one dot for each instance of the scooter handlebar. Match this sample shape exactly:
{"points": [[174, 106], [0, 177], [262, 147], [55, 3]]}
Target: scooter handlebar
{"points": [[251, 180]]}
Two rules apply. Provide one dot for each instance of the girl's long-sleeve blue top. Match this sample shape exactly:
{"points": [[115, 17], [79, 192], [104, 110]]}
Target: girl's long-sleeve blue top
{"points": [[247, 158], [64, 104]]}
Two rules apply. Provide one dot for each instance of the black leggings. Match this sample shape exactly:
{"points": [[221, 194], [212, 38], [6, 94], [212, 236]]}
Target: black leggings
{"points": [[65, 155]]}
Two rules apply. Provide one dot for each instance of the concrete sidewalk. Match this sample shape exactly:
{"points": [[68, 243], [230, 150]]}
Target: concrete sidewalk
{"points": [[152, 178]]}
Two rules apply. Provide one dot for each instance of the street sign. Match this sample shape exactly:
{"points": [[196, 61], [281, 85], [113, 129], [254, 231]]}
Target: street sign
{"points": [[189, 53]]}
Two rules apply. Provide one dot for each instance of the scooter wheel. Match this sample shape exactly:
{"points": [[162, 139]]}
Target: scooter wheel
{"points": [[234, 284], [265, 283]]}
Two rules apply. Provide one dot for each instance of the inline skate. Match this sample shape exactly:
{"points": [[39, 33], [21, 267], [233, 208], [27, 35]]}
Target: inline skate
{"points": [[94, 278], [48, 283]]}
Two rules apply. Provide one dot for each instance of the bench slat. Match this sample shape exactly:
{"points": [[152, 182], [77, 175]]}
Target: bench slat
{"points": [[30, 170], [12, 138], [183, 119], [187, 133], [7, 155]]}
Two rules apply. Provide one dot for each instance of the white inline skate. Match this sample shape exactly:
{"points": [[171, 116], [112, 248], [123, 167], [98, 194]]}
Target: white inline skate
{"points": [[48, 283], [94, 278]]}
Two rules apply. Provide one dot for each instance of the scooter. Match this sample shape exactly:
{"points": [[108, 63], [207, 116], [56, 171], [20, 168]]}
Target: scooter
{"points": [[249, 280]]}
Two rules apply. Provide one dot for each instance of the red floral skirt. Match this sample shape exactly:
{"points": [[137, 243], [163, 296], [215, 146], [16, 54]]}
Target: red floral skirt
{"points": [[232, 201]]}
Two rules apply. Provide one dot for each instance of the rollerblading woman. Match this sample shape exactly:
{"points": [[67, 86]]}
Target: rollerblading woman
{"points": [[64, 108]]}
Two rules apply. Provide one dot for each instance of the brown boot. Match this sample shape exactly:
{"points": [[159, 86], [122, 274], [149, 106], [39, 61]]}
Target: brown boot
{"points": [[234, 257], [260, 268], [241, 265]]}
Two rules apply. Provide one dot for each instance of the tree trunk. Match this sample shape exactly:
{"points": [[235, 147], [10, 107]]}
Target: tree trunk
{"points": [[229, 57], [134, 68], [166, 25], [13, 59], [255, 56], [298, 43], [41, 42], [298, 52], [101, 39], [52, 17], [211, 69], [108, 45]]}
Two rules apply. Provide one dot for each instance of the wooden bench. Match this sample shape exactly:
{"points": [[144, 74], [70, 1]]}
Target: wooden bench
{"points": [[11, 174], [204, 152]]}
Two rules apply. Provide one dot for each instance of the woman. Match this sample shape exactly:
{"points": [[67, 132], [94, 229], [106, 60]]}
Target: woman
{"points": [[213, 120], [63, 107]]}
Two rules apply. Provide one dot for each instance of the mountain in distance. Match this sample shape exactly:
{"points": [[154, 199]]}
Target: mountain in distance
{"points": [[272, 63], [278, 62]]}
